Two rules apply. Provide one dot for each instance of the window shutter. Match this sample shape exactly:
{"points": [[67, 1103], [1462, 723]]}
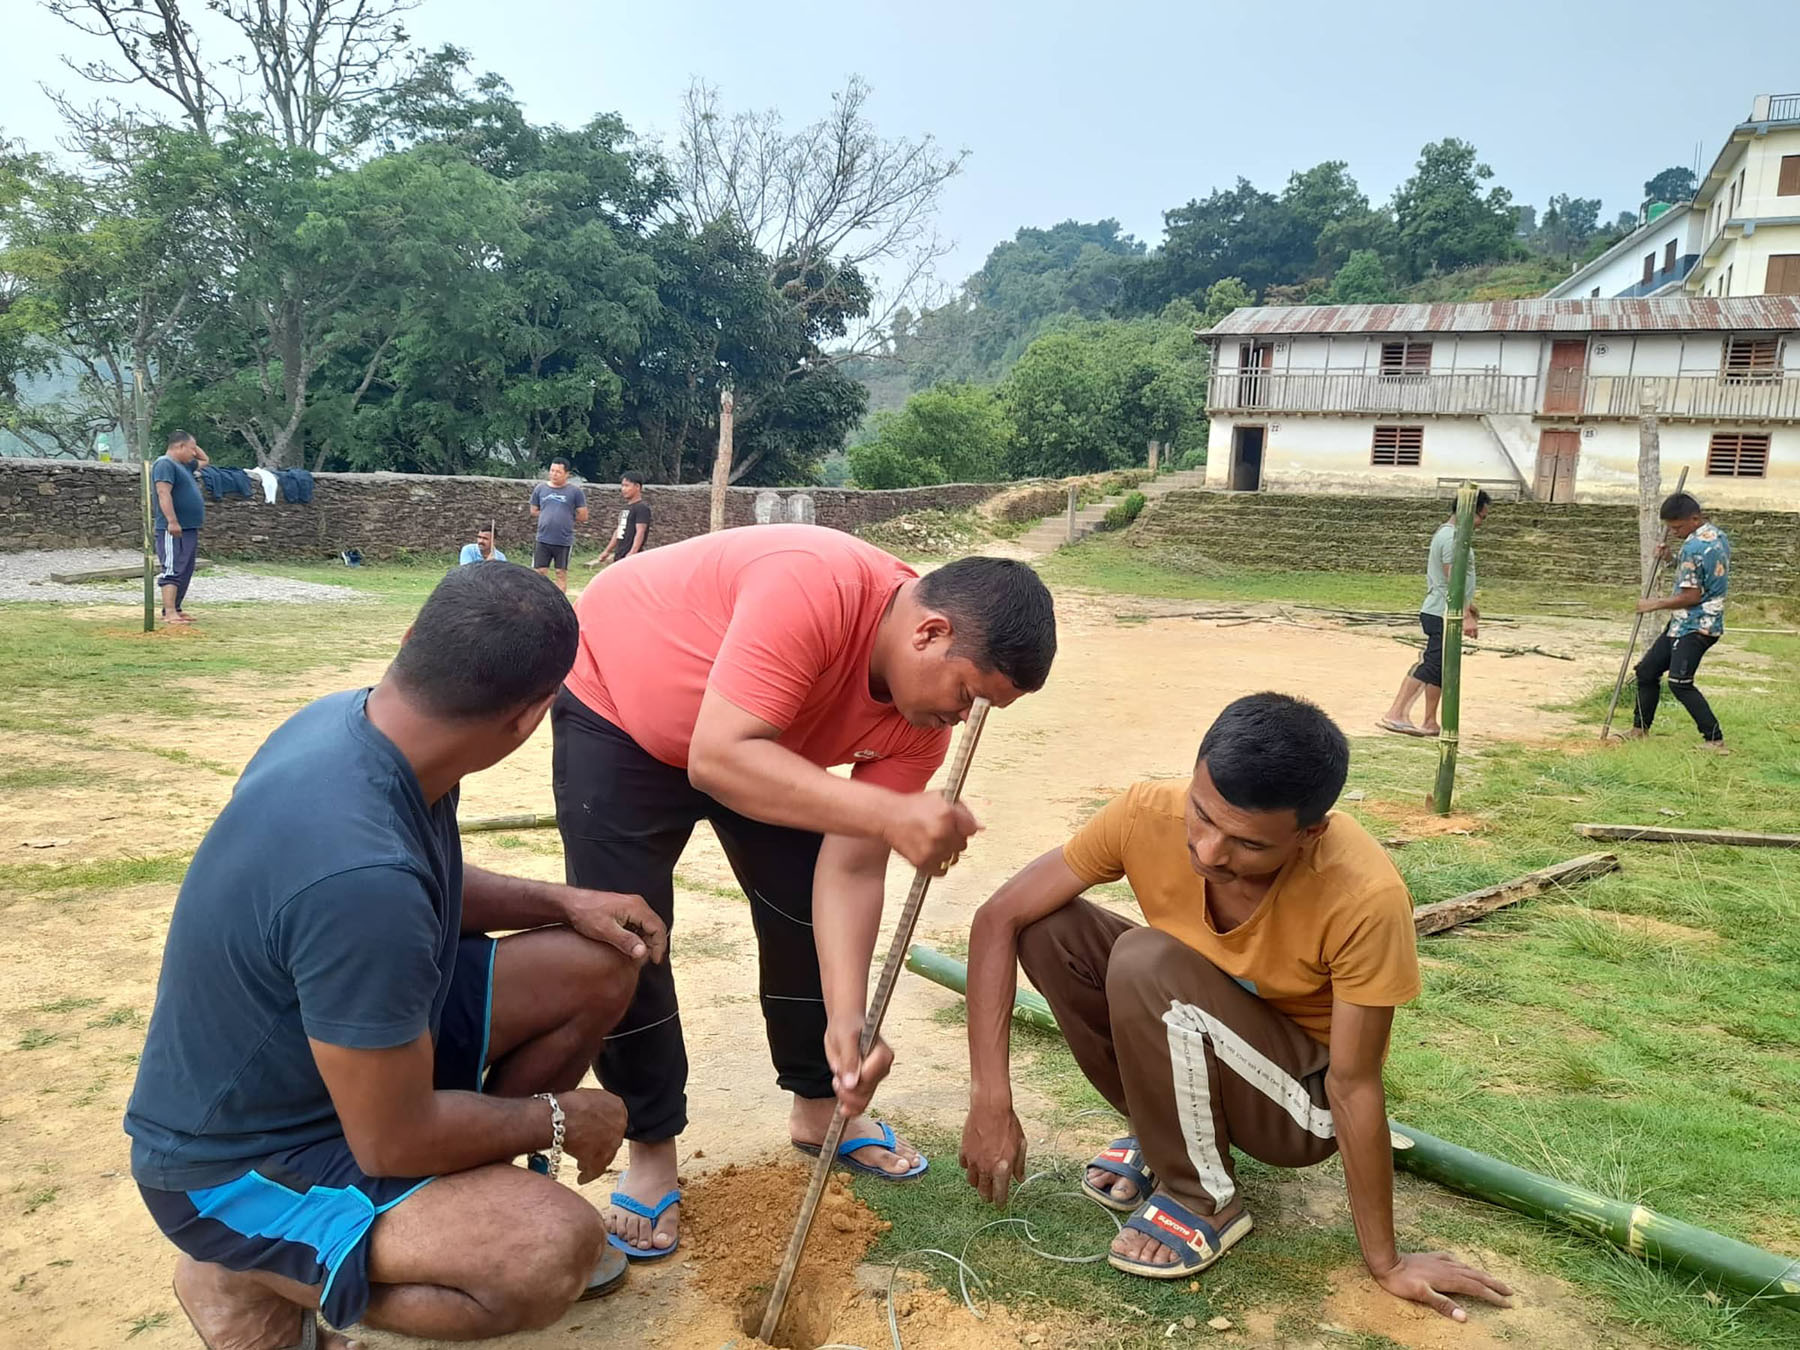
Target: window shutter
{"points": [[1784, 274], [1752, 358], [1789, 186], [1397, 447], [1738, 455]]}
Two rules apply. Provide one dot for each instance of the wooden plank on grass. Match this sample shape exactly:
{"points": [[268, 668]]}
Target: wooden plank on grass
{"points": [[524, 820], [1462, 908], [115, 573], [1658, 834]]}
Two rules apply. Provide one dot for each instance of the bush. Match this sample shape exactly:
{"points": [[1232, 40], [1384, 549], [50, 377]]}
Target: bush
{"points": [[1192, 459], [1125, 512], [953, 433]]}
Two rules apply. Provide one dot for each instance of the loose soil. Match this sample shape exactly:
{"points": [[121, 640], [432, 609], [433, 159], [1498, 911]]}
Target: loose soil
{"points": [[82, 1266]]}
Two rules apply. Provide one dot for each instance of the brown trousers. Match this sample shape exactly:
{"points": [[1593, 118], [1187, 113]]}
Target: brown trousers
{"points": [[1195, 1061]]}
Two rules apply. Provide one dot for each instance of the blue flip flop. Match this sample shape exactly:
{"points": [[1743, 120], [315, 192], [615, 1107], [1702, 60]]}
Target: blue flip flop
{"points": [[650, 1212], [885, 1140]]}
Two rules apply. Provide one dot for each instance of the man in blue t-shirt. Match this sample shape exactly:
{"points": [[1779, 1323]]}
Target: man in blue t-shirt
{"points": [[1702, 578], [180, 511], [342, 1065], [482, 550], [558, 506]]}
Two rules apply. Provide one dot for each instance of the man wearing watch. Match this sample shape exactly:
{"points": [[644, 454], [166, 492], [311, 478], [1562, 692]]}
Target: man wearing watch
{"points": [[342, 1066]]}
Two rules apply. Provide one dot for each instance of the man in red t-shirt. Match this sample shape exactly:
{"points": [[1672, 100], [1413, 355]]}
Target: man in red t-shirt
{"points": [[716, 679]]}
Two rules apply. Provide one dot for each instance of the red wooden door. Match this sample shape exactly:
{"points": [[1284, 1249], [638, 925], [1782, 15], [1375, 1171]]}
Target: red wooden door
{"points": [[1568, 363], [1558, 452]]}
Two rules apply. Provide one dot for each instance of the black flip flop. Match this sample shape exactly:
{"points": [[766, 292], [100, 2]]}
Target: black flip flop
{"points": [[608, 1275]]}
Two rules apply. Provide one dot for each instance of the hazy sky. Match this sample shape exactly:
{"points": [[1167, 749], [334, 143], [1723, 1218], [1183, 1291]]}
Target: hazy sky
{"points": [[1127, 108]]}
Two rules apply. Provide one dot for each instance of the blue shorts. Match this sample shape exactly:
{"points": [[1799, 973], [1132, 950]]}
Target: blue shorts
{"points": [[305, 1213]]}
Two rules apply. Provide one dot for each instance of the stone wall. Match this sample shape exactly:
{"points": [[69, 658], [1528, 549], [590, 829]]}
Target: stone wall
{"points": [[66, 504], [1520, 540]]}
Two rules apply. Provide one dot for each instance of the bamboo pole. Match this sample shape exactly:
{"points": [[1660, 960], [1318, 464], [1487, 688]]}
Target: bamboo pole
{"points": [[143, 440], [1751, 1271], [721, 478], [525, 820], [1450, 709], [1641, 1232], [1028, 1007], [877, 1011], [1637, 624]]}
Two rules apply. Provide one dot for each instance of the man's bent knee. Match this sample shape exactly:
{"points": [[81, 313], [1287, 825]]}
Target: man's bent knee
{"points": [[538, 1279]]}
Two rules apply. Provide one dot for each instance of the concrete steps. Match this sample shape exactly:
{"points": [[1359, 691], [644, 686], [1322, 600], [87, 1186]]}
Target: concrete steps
{"points": [[1052, 532]]}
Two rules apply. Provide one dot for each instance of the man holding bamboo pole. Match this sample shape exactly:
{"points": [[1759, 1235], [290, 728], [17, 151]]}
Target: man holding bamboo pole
{"points": [[717, 680], [1251, 1010], [1702, 578]]}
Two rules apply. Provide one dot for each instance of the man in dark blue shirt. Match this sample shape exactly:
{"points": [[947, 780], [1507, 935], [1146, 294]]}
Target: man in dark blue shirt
{"points": [[180, 511], [341, 1065]]}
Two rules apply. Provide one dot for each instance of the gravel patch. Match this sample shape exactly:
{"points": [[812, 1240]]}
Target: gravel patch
{"points": [[26, 577]]}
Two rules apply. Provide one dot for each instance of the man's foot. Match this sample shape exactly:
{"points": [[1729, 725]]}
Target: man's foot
{"points": [[811, 1117], [232, 1311], [1141, 1249], [647, 1180], [1431, 729], [1715, 747], [177, 617]]}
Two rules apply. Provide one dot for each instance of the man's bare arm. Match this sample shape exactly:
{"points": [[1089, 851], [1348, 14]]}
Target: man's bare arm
{"points": [[1353, 1086], [735, 758], [637, 539], [492, 903], [1685, 598], [848, 882], [398, 1125], [165, 497], [993, 1147]]}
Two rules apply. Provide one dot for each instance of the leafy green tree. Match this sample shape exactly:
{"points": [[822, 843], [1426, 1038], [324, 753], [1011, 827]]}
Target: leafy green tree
{"points": [[1362, 280], [1444, 218], [954, 433], [1672, 185], [1222, 297]]}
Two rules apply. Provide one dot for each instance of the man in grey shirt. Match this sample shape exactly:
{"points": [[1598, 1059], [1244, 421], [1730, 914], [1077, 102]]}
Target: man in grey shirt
{"points": [[558, 506], [1427, 677]]}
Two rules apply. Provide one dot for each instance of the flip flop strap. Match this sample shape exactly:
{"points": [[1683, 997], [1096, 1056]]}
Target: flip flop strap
{"points": [[1123, 1159], [650, 1212], [1190, 1236], [886, 1139]]}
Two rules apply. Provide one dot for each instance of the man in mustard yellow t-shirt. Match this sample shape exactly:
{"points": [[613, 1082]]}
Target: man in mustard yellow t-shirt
{"points": [[1253, 1010]]}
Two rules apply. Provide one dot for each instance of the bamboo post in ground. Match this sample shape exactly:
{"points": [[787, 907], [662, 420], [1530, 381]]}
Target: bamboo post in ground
{"points": [[1450, 708], [721, 479], [143, 440], [1069, 530], [1649, 489]]}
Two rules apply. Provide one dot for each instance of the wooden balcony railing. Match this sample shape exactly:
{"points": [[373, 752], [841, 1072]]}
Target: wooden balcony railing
{"points": [[1775, 398], [1363, 392]]}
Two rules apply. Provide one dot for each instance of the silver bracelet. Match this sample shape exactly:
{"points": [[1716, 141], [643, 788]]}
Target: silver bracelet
{"points": [[553, 1160]]}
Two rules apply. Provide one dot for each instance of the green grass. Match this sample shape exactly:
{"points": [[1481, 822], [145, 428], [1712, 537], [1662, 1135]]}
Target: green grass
{"points": [[61, 880]]}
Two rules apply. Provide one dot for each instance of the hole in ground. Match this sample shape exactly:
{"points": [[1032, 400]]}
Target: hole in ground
{"points": [[806, 1317]]}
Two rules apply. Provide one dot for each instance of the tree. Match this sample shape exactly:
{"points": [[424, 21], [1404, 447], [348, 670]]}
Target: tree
{"points": [[1362, 280], [954, 433], [1222, 297], [302, 67], [1566, 227], [108, 274], [1672, 185], [1444, 218]]}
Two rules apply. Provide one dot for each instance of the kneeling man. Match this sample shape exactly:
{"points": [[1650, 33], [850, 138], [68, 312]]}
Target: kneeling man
{"points": [[1254, 1010], [341, 1065]]}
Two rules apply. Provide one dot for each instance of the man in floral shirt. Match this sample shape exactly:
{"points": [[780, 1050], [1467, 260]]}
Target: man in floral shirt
{"points": [[1702, 574]]}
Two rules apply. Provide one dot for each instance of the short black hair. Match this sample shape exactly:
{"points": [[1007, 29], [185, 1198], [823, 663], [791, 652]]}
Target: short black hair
{"points": [[1267, 752], [1680, 506], [178, 437], [560, 459], [1002, 614], [632, 476], [1482, 502], [489, 641]]}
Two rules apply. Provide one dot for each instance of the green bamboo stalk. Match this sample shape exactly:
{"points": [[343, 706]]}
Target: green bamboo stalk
{"points": [[1642, 1232], [149, 553], [1450, 709], [1028, 1007], [526, 820]]}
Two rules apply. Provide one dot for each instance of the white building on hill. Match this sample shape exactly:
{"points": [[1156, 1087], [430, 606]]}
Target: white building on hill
{"points": [[1739, 236], [1533, 398]]}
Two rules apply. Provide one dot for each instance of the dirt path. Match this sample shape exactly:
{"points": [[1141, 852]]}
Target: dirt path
{"points": [[80, 1263]]}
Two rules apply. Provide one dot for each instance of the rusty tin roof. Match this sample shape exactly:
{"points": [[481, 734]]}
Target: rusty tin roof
{"points": [[1671, 314]]}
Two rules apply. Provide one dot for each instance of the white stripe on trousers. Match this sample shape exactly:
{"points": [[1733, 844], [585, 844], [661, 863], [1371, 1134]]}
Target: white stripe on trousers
{"points": [[1191, 1030], [169, 556]]}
